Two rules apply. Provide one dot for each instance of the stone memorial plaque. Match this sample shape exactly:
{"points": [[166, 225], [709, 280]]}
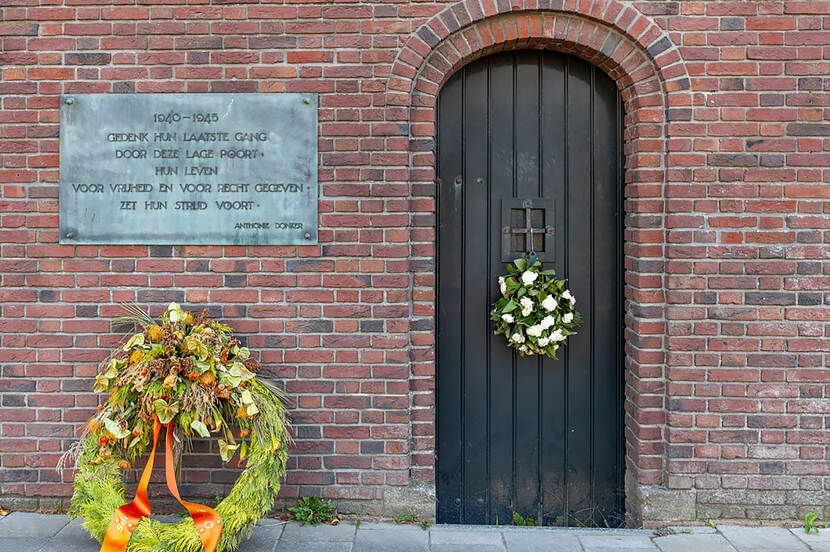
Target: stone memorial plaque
{"points": [[188, 169]]}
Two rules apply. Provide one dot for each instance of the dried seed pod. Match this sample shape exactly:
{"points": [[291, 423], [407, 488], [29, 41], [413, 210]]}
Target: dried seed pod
{"points": [[252, 365], [203, 317], [159, 367], [187, 364]]}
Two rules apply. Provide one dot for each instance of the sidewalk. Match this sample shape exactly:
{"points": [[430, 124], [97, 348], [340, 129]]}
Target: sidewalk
{"points": [[25, 532]]}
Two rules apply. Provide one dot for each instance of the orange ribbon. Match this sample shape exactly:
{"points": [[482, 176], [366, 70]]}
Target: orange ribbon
{"points": [[126, 518]]}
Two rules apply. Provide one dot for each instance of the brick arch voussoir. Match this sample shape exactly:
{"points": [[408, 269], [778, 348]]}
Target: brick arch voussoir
{"points": [[639, 79], [611, 20]]}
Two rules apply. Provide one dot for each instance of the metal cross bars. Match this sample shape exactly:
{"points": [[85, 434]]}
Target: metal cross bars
{"points": [[528, 229]]}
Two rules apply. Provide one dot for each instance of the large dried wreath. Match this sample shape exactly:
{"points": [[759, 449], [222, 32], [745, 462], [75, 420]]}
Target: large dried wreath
{"points": [[536, 311], [193, 376]]}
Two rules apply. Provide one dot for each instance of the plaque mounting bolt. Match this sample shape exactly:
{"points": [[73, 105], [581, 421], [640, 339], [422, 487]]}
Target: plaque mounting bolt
{"points": [[70, 235], [306, 101], [69, 101], [307, 236]]}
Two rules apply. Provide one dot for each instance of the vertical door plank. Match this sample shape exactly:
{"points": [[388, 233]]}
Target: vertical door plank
{"points": [[607, 300], [501, 381], [448, 377], [553, 380], [579, 350], [528, 369], [477, 287]]}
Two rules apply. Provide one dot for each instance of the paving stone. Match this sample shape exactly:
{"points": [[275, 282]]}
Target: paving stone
{"points": [[614, 542], [316, 546], [264, 538], [695, 529], [819, 542], [375, 525], [468, 548], [72, 538], [26, 524], [693, 543], [439, 535], [394, 538], [762, 539], [294, 532], [21, 544], [541, 541]]}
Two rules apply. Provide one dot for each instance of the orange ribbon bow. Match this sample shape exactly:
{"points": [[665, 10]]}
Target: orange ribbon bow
{"points": [[126, 518]]}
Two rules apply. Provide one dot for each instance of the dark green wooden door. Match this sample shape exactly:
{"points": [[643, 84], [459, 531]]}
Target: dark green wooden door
{"points": [[539, 437]]}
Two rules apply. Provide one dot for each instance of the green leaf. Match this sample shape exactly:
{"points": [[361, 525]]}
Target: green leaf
{"points": [[252, 409], [200, 428], [246, 397], [510, 306], [101, 384], [134, 442], [117, 431], [226, 451], [238, 370], [521, 293], [243, 354], [135, 341], [176, 314], [521, 264], [165, 412], [201, 366], [113, 367]]}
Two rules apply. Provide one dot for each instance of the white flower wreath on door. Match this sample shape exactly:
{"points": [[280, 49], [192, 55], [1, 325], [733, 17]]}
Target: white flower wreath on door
{"points": [[535, 312]]}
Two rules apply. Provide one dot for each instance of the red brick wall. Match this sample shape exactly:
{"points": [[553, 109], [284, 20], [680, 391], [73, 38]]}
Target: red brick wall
{"points": [[728, 139]]}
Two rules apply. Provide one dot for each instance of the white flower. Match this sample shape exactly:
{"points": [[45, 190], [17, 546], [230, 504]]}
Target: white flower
{"points": [[502, 285], [549, 303], [524, 349], [547, 322], [517, 338], [527, 305], [557, 336], [543, 341], [528, 277], [508, 318], [568, 317], [535, 330], [567, 295]]}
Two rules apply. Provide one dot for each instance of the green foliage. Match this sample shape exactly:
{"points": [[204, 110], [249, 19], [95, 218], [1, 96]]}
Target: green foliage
{"points": [[356, 521], [310, 510], [522, 522], [809, 522], [712, 523], [424, 524], [99, 489]]}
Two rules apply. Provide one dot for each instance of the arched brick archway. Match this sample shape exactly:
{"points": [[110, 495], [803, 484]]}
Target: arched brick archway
{"points": [[654, 84]]}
